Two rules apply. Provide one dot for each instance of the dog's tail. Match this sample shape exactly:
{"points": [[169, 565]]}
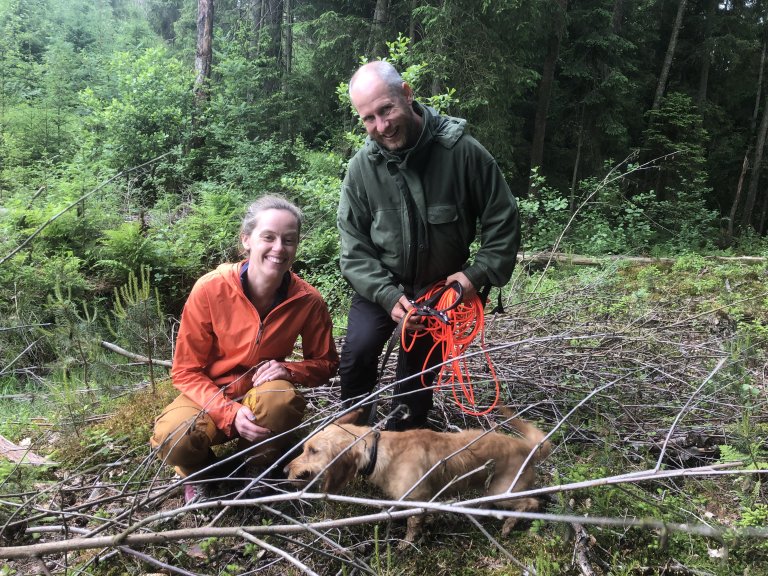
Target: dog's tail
{"points": [[531, 433]]}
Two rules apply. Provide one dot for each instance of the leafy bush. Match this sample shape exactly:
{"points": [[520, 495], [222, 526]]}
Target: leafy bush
{"points": [[144, 113], [124, 251]]}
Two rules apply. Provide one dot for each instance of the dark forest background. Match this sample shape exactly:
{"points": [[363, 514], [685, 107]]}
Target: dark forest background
{"points": [[134, 132]]}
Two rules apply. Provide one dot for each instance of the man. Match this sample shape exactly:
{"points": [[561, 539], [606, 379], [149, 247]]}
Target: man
{"points": [[408, 212]]}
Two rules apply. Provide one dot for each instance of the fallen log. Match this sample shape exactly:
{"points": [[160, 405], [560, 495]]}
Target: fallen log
{"points": [[580, 260], [20, 454]]}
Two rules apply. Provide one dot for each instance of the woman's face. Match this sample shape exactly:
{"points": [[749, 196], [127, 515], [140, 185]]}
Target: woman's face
{"points": [[272, 244]]}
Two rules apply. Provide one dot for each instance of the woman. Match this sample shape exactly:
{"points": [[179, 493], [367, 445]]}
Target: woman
{"points": [[239, 325]]}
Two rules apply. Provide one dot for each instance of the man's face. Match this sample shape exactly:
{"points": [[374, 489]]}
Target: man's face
{"points": [[387, 116]]}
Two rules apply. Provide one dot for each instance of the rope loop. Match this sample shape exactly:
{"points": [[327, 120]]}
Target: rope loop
{"points": [[454, 324]]}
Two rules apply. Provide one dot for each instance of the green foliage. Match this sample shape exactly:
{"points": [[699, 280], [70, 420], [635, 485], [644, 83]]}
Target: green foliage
{"points": [[315, 187], [126, 250], [142, 114], [139, 319], [73, 335], [207, 232], [755, 457], [602, 221], [544, 218]]}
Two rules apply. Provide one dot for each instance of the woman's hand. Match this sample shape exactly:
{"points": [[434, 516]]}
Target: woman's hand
{"points": [[247, 428], [271, 370]]}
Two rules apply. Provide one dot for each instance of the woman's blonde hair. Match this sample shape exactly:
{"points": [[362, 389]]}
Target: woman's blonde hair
{"points": [[268, 202]]}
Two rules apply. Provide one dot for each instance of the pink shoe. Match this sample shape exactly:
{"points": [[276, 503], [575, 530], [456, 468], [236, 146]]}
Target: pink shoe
{"points": [[194, 493]]}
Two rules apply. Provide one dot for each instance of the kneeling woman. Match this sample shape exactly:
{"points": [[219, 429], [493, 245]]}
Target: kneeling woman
{"points": [[239, 325]]}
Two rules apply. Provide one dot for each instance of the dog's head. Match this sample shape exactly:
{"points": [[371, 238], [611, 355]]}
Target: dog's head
{"points": [[334, 455]]}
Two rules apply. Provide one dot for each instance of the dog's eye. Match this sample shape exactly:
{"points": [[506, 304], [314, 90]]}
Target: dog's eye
{"points": [[311, 450]]}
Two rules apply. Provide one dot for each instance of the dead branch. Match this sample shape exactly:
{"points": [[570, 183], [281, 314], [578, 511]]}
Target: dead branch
{"points": [[581, 260], [133, 356], [582, 545], [19, 454]]}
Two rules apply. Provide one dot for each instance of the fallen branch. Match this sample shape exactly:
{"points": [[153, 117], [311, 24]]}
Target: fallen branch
{"points": [[582, 545], [129, 538], [581, 260], [133, 356], [21, 455]]}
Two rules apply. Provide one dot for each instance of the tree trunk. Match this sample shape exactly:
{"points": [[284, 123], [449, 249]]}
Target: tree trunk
{"points": [[706, 57], [737, 197], [286, 126], [203, 57], [376, 47], [204, 52], [272, 23], [545, 88], [745, 163], [575, 175], [414, 33], [663, 77], [257, 18], [757, 165], [617, 17], [287, 38]]}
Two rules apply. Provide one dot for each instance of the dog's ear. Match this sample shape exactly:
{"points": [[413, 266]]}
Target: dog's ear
{"points": [[340, 472], [350, 417]]}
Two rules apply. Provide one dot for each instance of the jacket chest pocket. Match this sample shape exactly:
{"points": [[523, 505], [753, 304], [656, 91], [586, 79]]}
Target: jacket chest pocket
{"points": [[386, 233], [447, 235], [442, 214]]}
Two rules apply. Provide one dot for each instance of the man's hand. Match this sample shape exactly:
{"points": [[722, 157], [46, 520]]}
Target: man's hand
{"points": [[247, 428], [461, 278], [401, 309]]}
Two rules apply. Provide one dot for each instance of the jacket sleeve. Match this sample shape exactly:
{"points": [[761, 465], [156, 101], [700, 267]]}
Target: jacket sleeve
{"points": [[194, 344], [499, 223], [359, 259], [320, 358]]}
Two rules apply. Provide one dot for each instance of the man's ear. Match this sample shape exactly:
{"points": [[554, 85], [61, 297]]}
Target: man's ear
{"points": [[407, 93]]}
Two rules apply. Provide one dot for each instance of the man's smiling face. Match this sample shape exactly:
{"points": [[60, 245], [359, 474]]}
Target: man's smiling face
{"points": [[387, 114]]}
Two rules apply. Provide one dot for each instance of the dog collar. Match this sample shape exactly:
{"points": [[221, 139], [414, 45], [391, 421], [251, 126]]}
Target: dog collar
{"points": [[373, 454]]}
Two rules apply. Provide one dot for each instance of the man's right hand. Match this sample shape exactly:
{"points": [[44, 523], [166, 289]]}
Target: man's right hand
{"points": [[401, 309]]}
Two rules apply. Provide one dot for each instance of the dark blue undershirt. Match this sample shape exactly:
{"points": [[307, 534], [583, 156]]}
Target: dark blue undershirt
{"points": [[280, 295]]}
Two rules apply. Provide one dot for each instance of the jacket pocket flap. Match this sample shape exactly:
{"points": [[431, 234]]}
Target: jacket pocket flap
{"points": [[443, 214]]}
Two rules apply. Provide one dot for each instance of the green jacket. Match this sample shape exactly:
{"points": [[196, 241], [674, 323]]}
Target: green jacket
{"points": [[407, 222]]}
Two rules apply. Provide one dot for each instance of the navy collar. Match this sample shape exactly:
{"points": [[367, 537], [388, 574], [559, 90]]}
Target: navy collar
{"points": [[280, 295], [373, 455]]}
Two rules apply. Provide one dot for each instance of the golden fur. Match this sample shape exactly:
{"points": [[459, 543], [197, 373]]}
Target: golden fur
{"points": [[418, 464]]}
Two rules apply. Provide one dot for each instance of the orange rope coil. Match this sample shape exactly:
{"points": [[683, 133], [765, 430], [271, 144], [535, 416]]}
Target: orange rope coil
{"points": [[466, 322]]}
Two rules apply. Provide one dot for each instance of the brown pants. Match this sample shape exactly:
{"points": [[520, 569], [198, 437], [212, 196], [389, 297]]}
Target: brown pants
{"points": [[184, 434]]}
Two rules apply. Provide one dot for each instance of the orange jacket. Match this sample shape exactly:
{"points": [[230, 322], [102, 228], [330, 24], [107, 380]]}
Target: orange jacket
{"points": [[222, 338]]}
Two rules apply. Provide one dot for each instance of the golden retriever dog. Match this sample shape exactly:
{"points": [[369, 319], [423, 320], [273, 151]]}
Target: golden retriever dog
{"points": [[420, 464]]}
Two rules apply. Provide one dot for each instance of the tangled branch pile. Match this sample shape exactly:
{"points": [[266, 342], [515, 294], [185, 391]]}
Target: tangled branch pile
{"points": [[656, 403]]}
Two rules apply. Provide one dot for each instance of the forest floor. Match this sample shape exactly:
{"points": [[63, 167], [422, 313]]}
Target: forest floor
{"points": [[650, 379]]}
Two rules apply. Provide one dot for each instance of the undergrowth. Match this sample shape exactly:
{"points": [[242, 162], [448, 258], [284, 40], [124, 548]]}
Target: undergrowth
{"points": [[637, 368]]}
